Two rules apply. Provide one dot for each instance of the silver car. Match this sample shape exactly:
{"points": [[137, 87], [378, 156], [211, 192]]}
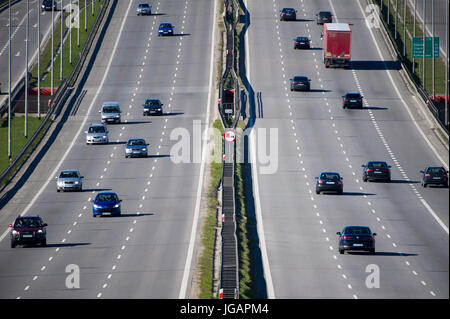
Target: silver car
{"points": [[110, 112], [144, 9], [69, 180], [136, 147], [97, 134]]}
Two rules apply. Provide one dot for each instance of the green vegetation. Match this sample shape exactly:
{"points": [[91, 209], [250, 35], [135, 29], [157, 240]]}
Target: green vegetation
{"points": [[400, 41], [18, 139], [209, 228]]}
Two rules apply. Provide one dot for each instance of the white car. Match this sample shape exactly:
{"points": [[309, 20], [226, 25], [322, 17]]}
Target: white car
{"points": [[97, 134]]}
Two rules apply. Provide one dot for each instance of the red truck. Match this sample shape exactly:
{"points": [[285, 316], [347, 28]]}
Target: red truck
{"points": [[336, 44]]}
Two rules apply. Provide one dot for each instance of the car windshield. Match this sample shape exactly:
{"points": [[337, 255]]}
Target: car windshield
{"points": [[68, 174], [357, 230], [353, 96], [325, 14], [144, 5], [106, 198], [27, 222], [304, 39], [330, 176], [436, 170], [110, 109], [136, 142], [378, 164], [152, 103], [300, 78], [96, 129], [288, 10], [165, 25]]}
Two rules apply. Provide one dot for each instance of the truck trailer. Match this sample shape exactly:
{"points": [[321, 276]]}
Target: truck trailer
{"points": [[336, 44]]}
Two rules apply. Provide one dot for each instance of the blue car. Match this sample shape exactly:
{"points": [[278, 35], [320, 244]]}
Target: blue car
{"points": [[106, 203], [165, 28]]}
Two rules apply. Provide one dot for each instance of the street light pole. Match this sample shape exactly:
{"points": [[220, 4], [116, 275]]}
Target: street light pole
{"points": [[39, 60], [62, 44], [432, 50], [414, 34], [53, 49], [446, 120], [404, 27], [424, 41], [9, 86], [26, 68]]}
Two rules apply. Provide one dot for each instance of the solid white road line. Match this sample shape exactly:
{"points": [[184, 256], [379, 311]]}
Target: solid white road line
{"points": [[53, 173], [187, 267]]}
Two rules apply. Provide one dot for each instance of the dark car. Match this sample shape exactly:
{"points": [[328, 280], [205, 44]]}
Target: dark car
{"points": [[352, 100], [324, 17], [300, 83], [376, 170], [47, 5], [28, 230], [152, 106], [435, 175], [356, 238], [301, 43], [106, 203], [165, 28], [288, 14], [329, 182]]}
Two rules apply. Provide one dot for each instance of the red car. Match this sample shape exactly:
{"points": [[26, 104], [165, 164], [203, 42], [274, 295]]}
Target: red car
{"points": [[28, 230]]}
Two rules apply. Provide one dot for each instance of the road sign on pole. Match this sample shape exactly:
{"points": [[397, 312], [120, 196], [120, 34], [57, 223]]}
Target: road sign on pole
{"points": [[417, 47]]}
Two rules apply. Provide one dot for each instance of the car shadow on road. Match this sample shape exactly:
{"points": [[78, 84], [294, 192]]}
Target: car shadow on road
{"points": [[303, 20], [87, 190], [137, 122], [375, 65], [347, 193], [116, 143], [315, 49], [157, 14], [402, 181], [157, 156], [319, 90], [136, 215], [380, 253], [59, 245], [375, 108], [172, 114], [180, 34]]}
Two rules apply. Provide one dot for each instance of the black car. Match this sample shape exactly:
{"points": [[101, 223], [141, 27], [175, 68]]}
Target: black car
{"points": [[329, 182], [435, 175], [300, 83], [352, 100], [324, 17], [301, 43], [356, 238], [376, 170], [28, 230], [152, 106], [47, 5], [288, 14]]}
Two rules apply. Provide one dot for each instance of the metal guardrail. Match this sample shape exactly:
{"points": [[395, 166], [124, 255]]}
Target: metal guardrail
{"points": [[58, 100], [423, 94]]}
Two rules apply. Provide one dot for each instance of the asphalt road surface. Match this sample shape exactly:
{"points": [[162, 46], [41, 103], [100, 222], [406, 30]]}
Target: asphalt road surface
{"points": [[316, 134], [145, 252]]}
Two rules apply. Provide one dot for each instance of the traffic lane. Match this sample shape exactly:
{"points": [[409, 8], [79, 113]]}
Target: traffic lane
{"points": [[298, 251], [353, 209], [391, 118]]}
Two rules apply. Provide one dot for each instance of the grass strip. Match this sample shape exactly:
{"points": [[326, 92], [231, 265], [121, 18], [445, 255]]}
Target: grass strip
{"points": [[209, 228]]}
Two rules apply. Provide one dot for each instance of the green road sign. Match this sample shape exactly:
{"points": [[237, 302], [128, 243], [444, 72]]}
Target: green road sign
{"points": [[417, 47]]}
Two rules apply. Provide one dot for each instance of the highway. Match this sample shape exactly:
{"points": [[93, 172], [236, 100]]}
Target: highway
{"points": [[147, 252], [298, 228], [18, 35]]}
